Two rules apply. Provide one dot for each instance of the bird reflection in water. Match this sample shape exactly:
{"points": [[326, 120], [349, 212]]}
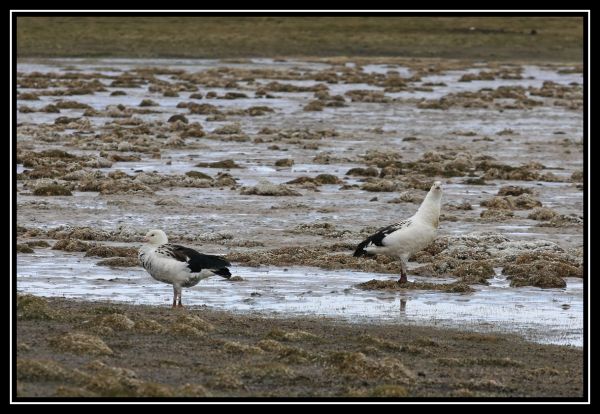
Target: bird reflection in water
{"points": [[402, 306]]}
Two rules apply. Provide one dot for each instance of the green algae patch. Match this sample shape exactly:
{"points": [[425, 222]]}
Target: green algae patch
{"points": [[33, 307], [79, 343], [456, 287], [52, 190]]}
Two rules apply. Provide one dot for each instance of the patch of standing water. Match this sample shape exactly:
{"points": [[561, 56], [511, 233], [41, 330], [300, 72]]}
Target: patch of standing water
{"points": [[533, 76], [108, 66], [542, 315]]}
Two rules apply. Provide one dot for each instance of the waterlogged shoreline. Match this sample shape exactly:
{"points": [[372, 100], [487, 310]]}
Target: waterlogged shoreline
{"points": [[541, 315]]}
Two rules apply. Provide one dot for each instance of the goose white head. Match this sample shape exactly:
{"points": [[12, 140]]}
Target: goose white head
{"points": [[156, 237], [430, 208], [435, 193]]}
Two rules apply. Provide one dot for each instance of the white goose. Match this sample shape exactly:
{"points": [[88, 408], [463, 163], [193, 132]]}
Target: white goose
{"points": [[407, 236], [177, 265]]}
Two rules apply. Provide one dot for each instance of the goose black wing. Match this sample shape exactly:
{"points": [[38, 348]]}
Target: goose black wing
{"points": [[196, 261], [378, 237]]}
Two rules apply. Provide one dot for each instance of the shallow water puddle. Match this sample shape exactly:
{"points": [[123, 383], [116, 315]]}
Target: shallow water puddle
{"points": [[542, 315]]}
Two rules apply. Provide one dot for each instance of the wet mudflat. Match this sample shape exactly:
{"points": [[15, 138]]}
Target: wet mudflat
{"points": [[551, 315], [284, 166]]}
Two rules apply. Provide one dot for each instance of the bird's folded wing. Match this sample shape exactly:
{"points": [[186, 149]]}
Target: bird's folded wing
{"points": [[377, 238], [196, 261]]}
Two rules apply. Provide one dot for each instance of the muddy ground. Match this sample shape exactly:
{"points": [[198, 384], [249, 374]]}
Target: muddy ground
{"points": [[292, 163], [69, 348]]}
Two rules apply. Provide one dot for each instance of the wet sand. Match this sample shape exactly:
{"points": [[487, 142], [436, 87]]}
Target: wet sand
{"points": [[70, 348]]}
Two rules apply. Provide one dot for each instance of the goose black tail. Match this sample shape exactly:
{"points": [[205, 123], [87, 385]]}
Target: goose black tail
{"points": [[360, 249], [224, 272]]}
